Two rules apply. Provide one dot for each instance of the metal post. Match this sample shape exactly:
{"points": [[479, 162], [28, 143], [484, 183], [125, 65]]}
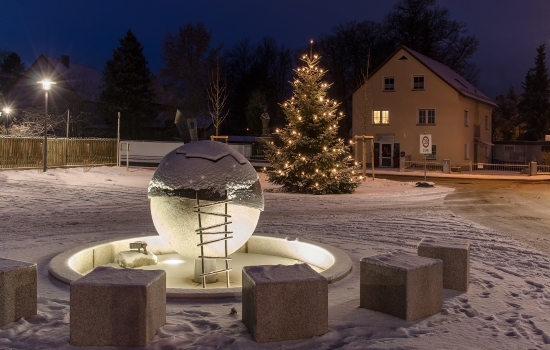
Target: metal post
{"points": [[364, 157], [68, 121], [127, 160], [424, 168], [202, 247], [372, 156], [46, 132], [226, 261], [118, 142]]}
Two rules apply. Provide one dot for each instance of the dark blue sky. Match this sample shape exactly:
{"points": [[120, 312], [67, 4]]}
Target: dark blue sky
{"points": [[88, 31]]}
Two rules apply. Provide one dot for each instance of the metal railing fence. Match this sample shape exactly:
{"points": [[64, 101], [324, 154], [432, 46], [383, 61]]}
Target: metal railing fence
{"points": [[27, 152], [472, 168]]}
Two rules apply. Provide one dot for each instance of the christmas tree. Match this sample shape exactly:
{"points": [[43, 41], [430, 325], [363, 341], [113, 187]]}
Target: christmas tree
{"points": [[307, 156]]}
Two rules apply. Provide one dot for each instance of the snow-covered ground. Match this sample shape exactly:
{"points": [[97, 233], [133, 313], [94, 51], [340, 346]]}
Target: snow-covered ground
{"points": [[507, 306]]}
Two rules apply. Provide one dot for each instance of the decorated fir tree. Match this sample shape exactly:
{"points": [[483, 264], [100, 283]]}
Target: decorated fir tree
{"points": [[307, 156]]}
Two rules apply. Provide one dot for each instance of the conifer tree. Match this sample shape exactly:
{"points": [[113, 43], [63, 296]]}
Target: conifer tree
{"points": [[307, 156], [127, 88], [535, 105]]}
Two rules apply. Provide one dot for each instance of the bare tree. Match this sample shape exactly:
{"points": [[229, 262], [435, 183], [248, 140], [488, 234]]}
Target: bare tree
{"points": [[217, 96], [30, 122]]}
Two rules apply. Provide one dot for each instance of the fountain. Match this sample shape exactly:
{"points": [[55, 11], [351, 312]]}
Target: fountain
{"points": [[205, 200]]}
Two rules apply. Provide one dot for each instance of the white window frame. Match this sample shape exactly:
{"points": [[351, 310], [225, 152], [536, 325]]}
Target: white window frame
{"points": [[486, 122], [423, 83], [381, 117], [426, 116], [386, 87], [466, 118], [466, 151]]}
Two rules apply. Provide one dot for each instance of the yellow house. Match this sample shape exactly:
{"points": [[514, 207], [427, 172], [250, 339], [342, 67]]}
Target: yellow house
{"points": [[410, 95]]}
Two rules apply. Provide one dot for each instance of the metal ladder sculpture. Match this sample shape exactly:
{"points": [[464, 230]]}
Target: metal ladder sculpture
{"points": [[203, 231]]}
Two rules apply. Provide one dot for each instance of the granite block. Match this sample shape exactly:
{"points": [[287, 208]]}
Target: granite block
{"points": [[117, 307], [284, 302], [18, 290], [455, 255], [401, 284]]}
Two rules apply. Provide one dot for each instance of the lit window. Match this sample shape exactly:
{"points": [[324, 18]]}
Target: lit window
{"points": [[389, 84], [381, 117], [426, 116], [466, 120], [486, 122], [418, 82]]}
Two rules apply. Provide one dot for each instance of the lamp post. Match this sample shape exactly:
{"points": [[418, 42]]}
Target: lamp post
{"points": [[46, 85], [7, 110]]}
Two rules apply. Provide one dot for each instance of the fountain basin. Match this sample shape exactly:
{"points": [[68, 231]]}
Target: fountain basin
{"points": [[330, 262]]}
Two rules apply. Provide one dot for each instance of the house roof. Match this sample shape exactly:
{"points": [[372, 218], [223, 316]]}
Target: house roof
{"points": [[446, 74], [85, 81]]}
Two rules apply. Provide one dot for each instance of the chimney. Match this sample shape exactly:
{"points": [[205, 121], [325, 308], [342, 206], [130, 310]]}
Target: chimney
{"points": [[65, 60]]}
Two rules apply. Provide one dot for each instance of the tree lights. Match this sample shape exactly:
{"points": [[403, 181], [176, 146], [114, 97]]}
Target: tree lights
{"points": [[308, 156]]}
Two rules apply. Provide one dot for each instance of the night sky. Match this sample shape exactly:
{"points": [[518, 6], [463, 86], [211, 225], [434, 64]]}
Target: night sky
{"points": [[88, 31]]}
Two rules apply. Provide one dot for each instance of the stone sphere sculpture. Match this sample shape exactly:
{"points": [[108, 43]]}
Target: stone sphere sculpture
{"points": [[209, 172]]}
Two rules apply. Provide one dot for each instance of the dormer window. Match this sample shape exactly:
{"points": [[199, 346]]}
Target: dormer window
{"points": [[389, 84], [418, 82]]}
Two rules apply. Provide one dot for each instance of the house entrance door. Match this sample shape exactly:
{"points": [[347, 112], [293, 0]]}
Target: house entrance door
{"points": [[386, 155]]}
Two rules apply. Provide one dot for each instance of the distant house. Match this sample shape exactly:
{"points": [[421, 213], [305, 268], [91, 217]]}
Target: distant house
{"points": [[412, 94], [76, 88], [74, 82]]}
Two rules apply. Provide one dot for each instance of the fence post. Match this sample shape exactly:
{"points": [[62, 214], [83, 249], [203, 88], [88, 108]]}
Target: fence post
{"points": [[532, 168], [471, 172]]}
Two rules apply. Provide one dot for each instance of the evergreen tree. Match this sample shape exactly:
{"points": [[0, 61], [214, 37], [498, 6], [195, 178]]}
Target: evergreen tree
{"points": [[11, 69], [534, 106], [307, 156], [127, 88], [507, 124]]}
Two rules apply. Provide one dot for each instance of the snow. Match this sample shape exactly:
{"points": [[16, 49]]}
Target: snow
{"points": [[210, 167], [506, 307], [135, 259], [400, 260]]}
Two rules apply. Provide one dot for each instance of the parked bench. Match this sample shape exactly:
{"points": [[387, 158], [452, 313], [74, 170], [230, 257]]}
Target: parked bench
{"points": [[117, 307], [402, 284], [284, 302], [18, 290]]}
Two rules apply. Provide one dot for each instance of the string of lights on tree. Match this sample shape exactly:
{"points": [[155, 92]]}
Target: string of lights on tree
{"points": [[307, 156]]}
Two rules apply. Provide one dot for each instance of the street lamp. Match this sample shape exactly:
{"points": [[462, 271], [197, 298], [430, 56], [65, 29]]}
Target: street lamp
{"points": [[7, 110], [46, 85]]}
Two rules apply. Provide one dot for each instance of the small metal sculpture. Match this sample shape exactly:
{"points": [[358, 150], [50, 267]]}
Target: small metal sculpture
{"points": [[139, 245]]}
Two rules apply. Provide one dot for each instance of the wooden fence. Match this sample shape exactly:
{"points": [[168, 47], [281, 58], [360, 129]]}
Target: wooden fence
{"points": [[27, 152]]}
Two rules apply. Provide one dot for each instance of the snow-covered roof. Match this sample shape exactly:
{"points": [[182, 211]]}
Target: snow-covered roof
{"points": [[85, 81], [451, 77]]}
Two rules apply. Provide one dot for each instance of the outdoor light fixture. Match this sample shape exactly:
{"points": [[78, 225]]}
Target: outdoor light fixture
{"points": [[46, 85], [7, 111]]}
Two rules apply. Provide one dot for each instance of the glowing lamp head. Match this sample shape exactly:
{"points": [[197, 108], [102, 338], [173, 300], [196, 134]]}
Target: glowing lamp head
{"points": [[7, 110], [46, 84]]}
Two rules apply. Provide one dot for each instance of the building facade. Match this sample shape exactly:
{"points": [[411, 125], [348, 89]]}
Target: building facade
{"points": [[411, 95]]}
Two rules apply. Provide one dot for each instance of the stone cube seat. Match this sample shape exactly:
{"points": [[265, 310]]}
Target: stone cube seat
{"points": [[117, 307], [284, 302], [455, 255], [18, 290], [401, 284]]}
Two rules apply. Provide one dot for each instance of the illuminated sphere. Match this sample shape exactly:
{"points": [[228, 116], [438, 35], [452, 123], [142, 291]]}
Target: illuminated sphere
{"points": [[214, 172]]}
